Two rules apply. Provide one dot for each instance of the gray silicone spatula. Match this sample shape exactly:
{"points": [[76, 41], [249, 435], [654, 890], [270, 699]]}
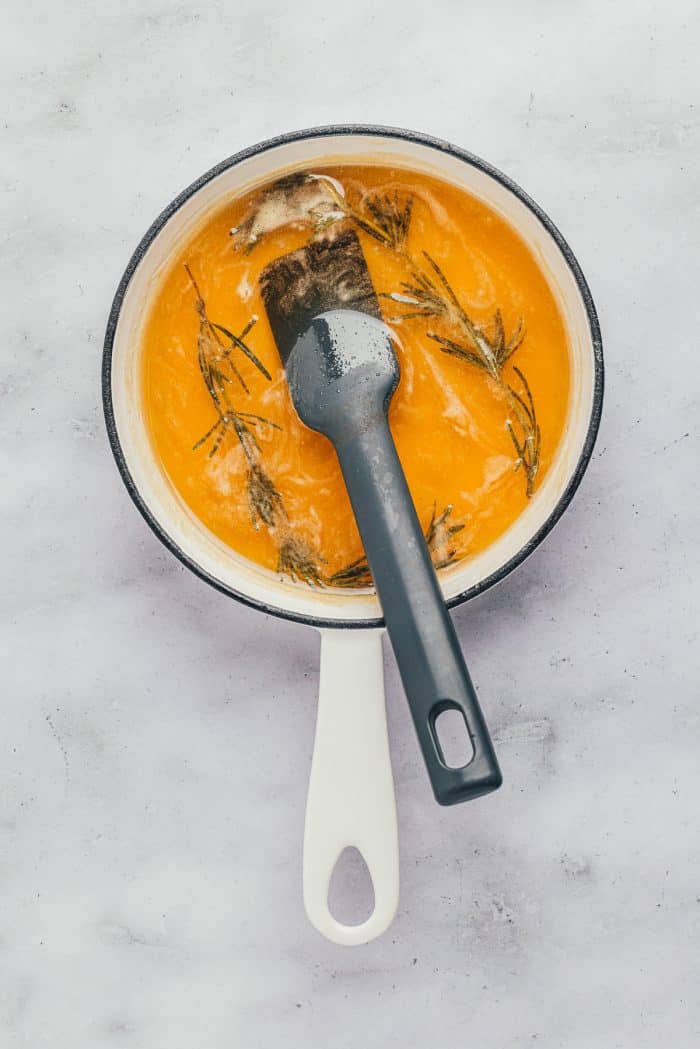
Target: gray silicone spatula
{"points": [[342, 372]]}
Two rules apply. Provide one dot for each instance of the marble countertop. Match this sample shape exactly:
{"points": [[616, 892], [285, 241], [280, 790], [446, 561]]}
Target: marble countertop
{"points": [[156, 736]]}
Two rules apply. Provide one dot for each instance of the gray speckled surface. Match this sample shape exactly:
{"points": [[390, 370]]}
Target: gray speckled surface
{"points": [[156, 736]]}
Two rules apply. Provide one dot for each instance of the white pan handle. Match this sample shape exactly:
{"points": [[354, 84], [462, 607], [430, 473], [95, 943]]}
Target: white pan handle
{"points": [[351, 791]]}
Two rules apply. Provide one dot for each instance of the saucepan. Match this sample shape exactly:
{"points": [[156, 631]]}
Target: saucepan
{"points": [[351, 799]]}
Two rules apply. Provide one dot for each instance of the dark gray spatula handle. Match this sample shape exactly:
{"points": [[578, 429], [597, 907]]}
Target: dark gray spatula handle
{"points": [[432, 668]]}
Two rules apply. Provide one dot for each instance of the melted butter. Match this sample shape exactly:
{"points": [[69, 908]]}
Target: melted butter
{"points": [[447, 417]]}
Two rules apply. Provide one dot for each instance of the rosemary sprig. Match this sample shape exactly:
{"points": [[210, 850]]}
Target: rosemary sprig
{"points": [[431, 295], [218, 369], [211, 333], [438, 536], [265, 503]]}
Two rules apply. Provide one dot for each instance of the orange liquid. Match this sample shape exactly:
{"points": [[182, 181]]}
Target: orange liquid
{"points": [[448, 417]]}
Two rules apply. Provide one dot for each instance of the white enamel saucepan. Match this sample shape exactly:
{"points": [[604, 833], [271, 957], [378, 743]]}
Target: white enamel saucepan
{"points": [[351, 794]]}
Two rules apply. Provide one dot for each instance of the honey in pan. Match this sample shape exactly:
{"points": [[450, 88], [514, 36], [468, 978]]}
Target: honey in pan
{"points": [[479, 411]]}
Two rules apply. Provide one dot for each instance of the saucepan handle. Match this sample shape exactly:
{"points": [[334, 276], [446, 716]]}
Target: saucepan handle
{"points": [[351, 799]]}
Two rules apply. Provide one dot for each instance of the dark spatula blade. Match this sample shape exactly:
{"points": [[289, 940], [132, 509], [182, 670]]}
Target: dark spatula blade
{"points": [[330, 273]]}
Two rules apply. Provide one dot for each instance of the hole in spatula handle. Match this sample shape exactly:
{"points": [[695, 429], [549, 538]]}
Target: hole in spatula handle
{"points": [[453, 740]]}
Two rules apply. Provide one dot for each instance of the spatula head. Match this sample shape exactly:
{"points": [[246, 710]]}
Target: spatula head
{"points": [[337, 352], [330, 273]]}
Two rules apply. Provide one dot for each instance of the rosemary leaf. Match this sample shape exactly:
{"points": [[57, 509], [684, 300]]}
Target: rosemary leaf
{"points": [[525, 407], [237, 340], [515, 342], [259, 419], [443, 280], [202, 440], [518, 448], [217, 443], [456, 349], [499, 339]]}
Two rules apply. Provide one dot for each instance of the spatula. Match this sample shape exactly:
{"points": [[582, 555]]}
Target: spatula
{"points": [[342, 371]]}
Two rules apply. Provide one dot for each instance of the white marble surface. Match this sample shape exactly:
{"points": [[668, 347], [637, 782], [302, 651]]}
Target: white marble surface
{"points": [[156, 736]]}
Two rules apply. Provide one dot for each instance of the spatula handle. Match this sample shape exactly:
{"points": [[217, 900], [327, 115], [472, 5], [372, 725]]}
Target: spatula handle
{"points": [[430, 661]]}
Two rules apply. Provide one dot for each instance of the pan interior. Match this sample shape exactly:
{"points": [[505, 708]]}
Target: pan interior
{"points": [[156, 497]]}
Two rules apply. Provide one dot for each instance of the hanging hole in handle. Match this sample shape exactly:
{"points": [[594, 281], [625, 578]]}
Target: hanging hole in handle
{"points": [[451, 733], [351, 892]]}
